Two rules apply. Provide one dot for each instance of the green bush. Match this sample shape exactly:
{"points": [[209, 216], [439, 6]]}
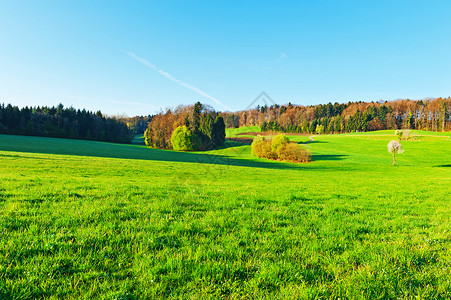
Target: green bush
{"points": [[262, 148], [265, 150], [257, 140], [182, 139], [319, 129], [293, 152], [279, 148], [278, 141], [147, 137]]}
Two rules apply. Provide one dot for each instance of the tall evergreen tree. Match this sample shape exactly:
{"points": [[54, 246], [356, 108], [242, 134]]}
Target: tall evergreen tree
{"points": [[218, 135]]}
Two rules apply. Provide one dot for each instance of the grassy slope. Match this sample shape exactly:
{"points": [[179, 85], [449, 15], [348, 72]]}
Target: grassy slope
{"points": [[233, 132], [98, 220]]}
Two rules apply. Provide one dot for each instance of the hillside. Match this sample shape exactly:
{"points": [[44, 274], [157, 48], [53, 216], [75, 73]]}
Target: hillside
{"points": [[84, 219]]}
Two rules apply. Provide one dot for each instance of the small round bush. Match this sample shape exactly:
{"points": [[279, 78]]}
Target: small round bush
{"points": [[182, 139]]}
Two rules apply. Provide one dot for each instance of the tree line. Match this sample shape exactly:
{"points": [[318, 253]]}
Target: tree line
{"points": [[196, 127], [137, 124], [206, 127], [61, 122], [433, 114]]}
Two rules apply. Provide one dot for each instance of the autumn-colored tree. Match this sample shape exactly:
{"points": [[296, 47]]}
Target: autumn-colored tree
{"points": [[206, 129], [428, 114]]}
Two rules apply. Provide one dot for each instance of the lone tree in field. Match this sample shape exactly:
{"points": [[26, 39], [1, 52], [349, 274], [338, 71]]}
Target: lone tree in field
{"points": [[393, 147]]}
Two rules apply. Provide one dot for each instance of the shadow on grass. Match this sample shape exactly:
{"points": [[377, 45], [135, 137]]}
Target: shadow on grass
{"points": [[309, 142], [316, 142], [139, 140], [232, 144], [327, 157], [28, 144], [443, 166], [241, 141]]}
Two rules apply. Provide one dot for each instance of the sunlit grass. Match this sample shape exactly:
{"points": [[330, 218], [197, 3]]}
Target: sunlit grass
{"points": [[91, 220]]}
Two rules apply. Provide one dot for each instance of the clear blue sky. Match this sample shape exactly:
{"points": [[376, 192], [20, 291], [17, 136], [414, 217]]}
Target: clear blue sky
{"points": [[137, 57]]}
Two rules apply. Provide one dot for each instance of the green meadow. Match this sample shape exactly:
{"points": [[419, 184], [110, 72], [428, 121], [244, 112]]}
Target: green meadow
{"points": [[93, 220]]}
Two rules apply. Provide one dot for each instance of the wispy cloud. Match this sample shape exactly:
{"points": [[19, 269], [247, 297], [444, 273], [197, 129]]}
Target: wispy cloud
{"points": [[141, 60], [173, 79], [283, 55]]}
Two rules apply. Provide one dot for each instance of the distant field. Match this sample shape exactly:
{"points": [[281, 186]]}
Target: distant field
{"points": [[234, 132], [246, 134], [95, 220]]}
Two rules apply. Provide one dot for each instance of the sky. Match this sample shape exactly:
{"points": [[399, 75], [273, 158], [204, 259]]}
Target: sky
{"points": [[142, 57]]}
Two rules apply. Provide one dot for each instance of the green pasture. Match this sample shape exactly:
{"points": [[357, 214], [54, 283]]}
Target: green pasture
{"points": [[93, 220], [234, 132]]}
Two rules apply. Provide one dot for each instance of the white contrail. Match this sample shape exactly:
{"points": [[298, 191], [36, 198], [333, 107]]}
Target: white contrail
{"points": [[172, 78], [142, 60]]}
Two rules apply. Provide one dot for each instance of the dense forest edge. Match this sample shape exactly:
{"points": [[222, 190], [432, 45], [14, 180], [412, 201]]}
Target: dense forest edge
{"points": [[186, 128], [432, 114], [200, 127], [61, 122]]}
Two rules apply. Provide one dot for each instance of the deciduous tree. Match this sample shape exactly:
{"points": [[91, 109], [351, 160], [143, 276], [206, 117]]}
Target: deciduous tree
{"points": [[393, 147]]}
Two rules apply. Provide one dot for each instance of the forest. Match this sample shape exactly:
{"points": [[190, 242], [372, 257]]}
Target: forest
{"points": [[61, 122], [207, 127], [199, 125], [433, 114], [138, 124]]}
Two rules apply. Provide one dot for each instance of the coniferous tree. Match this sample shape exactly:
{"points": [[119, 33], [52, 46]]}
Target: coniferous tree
{"points": [[62, 123], [218, 135]]}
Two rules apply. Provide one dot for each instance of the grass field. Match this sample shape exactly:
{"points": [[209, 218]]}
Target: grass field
{"points": [[92, 220]]}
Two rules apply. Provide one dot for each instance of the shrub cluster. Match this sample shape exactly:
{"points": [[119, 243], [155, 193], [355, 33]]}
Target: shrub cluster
{"points": [[404, 135], [187, 128], [279, 148]]}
